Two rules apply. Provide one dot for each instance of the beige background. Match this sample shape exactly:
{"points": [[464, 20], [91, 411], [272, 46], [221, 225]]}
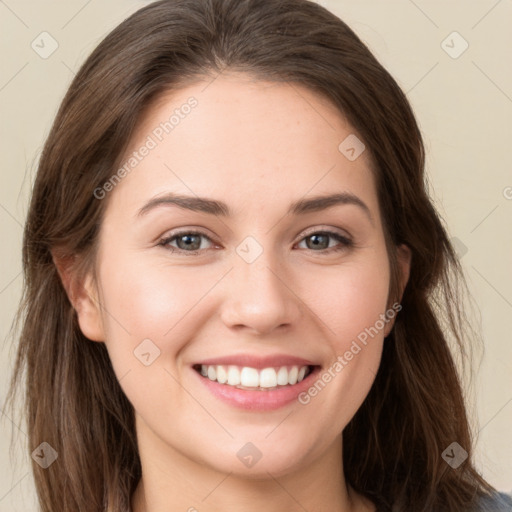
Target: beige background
{"points": [[464, 107]]}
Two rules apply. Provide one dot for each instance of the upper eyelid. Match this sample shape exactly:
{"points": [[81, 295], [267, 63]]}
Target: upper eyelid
{"points": [[343, 233]]}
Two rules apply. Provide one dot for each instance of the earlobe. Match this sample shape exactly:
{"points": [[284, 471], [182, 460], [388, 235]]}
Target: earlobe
{"points": [[83, 296], [88, 310], [404, 257]]}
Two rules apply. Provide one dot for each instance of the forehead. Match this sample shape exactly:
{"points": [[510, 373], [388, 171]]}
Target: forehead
{"points": [[247, 141]]}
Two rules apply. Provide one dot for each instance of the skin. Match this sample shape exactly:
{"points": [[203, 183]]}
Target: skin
{"points": [[258, 147]]}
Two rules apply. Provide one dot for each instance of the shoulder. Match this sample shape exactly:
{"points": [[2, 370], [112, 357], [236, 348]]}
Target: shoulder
{"points": [[498, 502]]}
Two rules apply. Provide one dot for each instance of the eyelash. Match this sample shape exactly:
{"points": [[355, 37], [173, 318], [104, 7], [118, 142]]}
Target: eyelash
{"points": [[345, 242]]}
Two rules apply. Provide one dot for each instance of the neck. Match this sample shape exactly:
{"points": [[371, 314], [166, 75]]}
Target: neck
{"points": [[172, 481]]}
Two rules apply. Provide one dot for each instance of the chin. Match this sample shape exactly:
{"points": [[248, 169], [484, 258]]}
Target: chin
{"points": [[257, 458]]}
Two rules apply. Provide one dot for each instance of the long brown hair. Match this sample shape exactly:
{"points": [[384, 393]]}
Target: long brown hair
{"points": [[392, 447]]}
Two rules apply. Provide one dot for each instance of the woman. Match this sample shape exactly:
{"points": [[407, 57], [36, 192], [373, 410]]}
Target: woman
{"points": [[238, 293]]}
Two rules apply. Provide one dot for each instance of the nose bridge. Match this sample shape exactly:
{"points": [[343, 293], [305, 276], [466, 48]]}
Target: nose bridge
{"points": [[258, 296], [261, 278]]}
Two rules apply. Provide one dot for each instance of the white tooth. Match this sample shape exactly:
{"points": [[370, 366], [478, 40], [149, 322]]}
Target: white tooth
{"points": [[204, 370], [301, 374], [282, 376], [268, 378], [292, 375], [233, 376], [212, 374], [249, 377], [222, 376]]}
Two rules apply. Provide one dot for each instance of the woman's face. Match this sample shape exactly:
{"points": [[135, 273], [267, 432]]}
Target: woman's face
{"points": [[249, 276]]}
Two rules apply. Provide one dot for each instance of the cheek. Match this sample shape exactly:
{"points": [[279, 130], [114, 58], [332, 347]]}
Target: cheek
{"points": [[150, 300], [350, 298], [153, 301], [144, 307], [350, 301], [150, 313]]}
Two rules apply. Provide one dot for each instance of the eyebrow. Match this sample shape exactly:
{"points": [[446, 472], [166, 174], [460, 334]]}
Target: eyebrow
{"points": [[219, 208]]}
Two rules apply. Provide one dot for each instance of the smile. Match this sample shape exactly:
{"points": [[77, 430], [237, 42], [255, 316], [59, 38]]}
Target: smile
{"points": [[246, 377]]}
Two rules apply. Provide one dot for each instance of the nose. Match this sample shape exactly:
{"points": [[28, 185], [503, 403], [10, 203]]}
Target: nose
{"points": [[260, 297]]}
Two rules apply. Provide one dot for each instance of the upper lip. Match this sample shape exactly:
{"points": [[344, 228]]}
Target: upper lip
{"points": [[258, 362]]}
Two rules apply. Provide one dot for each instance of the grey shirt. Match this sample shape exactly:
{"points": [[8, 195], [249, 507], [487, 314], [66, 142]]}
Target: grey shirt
{"points": [[500, 502]]}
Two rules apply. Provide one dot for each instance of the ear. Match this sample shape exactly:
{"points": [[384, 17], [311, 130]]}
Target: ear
{"points": [[403, 257], [83, 294]]}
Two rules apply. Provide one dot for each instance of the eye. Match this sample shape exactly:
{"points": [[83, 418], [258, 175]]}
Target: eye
{"points": [[186, 241], [191, 242], [319, 241]]}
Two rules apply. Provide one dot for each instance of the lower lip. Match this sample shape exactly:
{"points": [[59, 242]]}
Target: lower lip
{"points": [[258, 400]]}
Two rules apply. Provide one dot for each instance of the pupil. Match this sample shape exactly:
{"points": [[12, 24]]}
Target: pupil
{"points": [[189, 242], [318, 239]]}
